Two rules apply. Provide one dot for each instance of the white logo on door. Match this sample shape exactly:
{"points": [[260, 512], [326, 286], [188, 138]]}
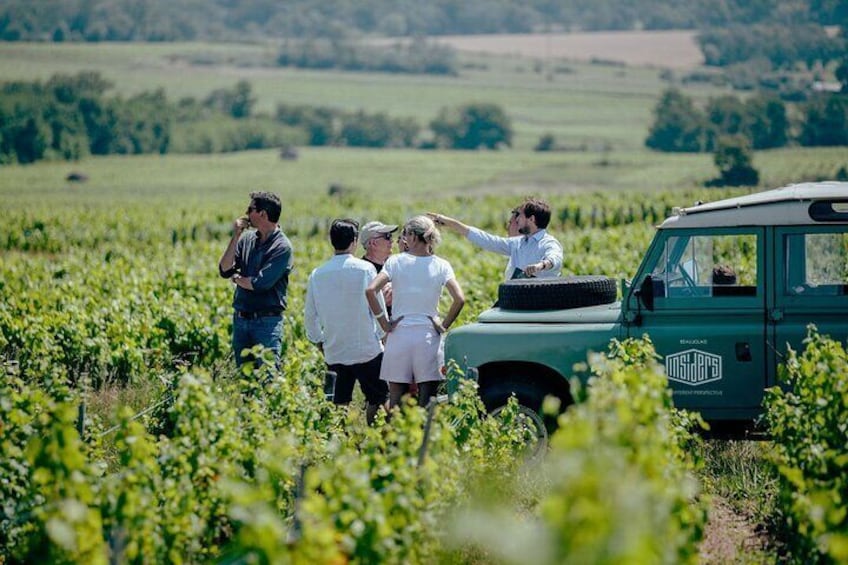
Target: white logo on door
{"points": [[693, 367]]}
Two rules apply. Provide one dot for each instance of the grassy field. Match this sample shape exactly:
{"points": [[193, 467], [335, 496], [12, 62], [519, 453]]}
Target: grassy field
{"points": [[580, 104], [600, 113], [399, 174]]}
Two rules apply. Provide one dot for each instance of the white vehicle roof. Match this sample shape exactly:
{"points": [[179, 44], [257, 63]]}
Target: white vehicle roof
{"points": [[787, 206]]}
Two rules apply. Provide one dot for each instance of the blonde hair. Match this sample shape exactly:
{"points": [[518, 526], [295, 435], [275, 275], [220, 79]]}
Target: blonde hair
{"points": [[424, 229]]}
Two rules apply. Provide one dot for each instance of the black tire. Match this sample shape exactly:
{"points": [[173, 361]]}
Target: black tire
{"points": [[556, 294], [529, 396]]}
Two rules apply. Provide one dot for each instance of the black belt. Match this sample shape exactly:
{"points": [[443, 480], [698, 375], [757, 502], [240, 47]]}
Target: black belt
{"points": [[259, 314]]}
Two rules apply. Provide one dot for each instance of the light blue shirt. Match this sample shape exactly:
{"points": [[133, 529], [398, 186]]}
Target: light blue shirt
{"points": [[336, 312], [522, 250]]}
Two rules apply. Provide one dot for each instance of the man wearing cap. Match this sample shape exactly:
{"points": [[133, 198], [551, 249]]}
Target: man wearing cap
{"points": [[258, 263], [376, 238], [339, 321]]}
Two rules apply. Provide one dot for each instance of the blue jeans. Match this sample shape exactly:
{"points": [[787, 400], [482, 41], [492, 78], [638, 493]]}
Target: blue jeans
{"points": [[266, 331]]}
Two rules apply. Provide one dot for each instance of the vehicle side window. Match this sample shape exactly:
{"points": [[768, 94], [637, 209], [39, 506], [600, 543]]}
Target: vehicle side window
{"points": [[707, 266], [817, 264]]}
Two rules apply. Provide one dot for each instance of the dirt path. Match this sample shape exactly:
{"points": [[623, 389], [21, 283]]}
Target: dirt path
{"points": [[730, 537]]}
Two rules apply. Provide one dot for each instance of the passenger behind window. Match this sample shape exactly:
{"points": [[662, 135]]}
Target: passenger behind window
{"points": [[723, 275], [724, 283]]}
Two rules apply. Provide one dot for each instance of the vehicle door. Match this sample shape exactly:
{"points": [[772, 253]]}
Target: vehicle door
{"points": [[708, 317], [811, 286]]}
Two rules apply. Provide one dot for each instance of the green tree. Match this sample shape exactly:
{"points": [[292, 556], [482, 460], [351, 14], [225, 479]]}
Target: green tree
{"points": [[783, 44], [842, 74], [734, 161], [678, 124], [762, 119], [726, 116], [825, 121], [24, 138], [141, 124], [546, 143], [318, 122], [472, 126], [378, 130], [238, 102], [767, 123], [727, 113]]}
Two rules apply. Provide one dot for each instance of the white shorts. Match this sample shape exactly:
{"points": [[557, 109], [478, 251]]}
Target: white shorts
{"points": [[413, 353]]}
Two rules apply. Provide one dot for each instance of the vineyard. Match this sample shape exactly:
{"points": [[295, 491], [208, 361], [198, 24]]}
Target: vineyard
{"points": [[128, 435]]}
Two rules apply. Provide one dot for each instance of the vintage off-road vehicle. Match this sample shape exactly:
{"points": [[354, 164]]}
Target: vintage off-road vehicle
{"points": [[723, 290]]}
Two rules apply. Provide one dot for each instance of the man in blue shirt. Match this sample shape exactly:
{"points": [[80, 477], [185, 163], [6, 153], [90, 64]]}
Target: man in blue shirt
{"points": [[258, 263], [532, 253]]}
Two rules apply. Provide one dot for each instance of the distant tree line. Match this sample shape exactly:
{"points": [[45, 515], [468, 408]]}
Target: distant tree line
{"points": [[329, 126], [70, 117], [763, 121], [470, 126], [170, 20], [781, 45], [419, 56], [784, 52]]}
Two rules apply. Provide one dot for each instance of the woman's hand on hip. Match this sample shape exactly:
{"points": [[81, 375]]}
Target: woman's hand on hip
{"points": [[391, 324], [437, 325]]}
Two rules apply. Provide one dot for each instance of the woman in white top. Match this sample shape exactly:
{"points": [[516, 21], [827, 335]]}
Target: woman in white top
{"points": [[413, 343]]}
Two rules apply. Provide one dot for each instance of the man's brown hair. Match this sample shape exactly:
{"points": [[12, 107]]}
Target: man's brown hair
{"points": [[724, 274], [539, 209]]}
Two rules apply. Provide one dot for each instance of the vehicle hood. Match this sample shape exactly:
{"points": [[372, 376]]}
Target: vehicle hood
{"points": [[605, 313]]}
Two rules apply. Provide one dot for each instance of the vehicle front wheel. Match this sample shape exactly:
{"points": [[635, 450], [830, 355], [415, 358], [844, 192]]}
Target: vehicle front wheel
{"points": [[530, 397]]}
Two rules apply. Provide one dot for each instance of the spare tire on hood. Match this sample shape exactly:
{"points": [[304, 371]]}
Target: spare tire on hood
{"points": [[557, 293]]}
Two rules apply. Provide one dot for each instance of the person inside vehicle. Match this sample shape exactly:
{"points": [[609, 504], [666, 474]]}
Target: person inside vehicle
{"points": [[723, 275]]}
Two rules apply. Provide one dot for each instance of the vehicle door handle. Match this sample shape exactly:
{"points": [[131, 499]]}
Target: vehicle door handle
{"points": [[743, 351]]}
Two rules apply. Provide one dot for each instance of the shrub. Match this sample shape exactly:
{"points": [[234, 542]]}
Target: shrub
{"points": [[617, 485], [678, 125], [807, 418], [472, 126], [733, 159], [546, 143]]}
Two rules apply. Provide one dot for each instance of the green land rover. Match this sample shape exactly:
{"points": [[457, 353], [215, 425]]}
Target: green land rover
{"points": [[724, 288]]}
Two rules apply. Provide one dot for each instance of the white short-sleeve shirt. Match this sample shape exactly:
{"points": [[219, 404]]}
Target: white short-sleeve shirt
{"points": [[417, 284]]}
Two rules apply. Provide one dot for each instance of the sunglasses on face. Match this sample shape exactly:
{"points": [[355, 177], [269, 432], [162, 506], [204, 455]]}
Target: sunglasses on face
{"points": [[386, 236]]}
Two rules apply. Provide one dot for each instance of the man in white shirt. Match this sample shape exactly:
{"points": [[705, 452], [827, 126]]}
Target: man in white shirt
{"points": [[533, 253], [338, 320]]}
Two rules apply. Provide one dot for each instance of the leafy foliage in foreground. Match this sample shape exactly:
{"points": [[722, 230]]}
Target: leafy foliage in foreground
{"points": [[808, 419], [243, 470], [226, 468], [619, 484], [273, 472]]}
